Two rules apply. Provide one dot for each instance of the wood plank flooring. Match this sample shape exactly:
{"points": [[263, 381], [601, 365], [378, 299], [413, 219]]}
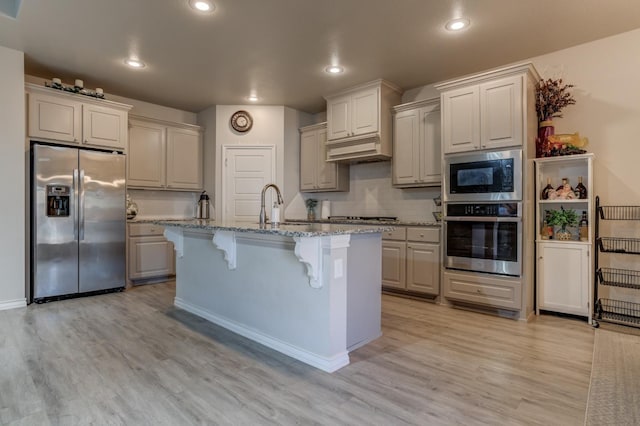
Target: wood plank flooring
{"points": [[132, 358]]}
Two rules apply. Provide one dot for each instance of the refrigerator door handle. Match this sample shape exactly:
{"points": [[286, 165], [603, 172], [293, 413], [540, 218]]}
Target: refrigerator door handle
{"points": [[76, 196], [81, 206]]}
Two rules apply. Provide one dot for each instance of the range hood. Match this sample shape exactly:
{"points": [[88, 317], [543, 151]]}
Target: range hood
{"points": [[357, 149]]}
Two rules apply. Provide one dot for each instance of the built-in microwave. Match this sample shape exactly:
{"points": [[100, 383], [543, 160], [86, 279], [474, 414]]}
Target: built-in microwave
{"points": [[483, 176]]}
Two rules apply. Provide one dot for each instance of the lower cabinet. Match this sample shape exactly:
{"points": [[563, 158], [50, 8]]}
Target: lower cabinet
{"points": [[497, 292], [411, 260], [151, 255], [564, 277]]}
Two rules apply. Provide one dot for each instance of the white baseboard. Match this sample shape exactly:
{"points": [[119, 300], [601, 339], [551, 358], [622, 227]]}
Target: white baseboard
{"points": [[12, 304], [323, 363]]}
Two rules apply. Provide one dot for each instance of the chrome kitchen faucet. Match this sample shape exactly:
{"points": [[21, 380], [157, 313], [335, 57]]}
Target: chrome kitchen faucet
{"points": [[263, 213]]}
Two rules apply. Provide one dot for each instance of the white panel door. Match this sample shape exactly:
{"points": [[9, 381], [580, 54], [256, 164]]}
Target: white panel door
{"points": [[247, 169], [327, 176], [406, 147], [146, 155], [308, 160], [563, 283], [184, 159], [393, 264], [52, 117], [364, 115], [501, 113], [461, 120], [430, 146], [423, 268], [104, 126], [339, 117]]}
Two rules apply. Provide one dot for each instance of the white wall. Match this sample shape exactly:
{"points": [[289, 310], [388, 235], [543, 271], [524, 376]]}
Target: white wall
{"points": [[607, 111], [272, 125], [13, 158]]}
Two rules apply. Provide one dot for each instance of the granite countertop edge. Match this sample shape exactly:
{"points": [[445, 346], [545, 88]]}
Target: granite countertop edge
{"points": [[387, 223], [298, 229]]}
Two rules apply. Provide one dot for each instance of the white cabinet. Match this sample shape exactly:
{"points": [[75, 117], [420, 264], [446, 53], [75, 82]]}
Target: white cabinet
{"points": [[359, 122], [394, 258], [150, 254], [416, 144], [63, 117], [146, 154], [164, 155], [564, 277], [488, 111], [316, 173], [184, 158], [411, 260], [564, 268]]}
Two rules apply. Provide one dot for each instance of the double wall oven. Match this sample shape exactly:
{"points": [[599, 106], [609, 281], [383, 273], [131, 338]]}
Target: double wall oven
{"points": [[483, 212]]}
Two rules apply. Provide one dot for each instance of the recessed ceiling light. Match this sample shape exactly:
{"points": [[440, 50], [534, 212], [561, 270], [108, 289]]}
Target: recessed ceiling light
{"points": [[202, 5], [334, 69], [134, 63], [253, 98], [457, 24]]}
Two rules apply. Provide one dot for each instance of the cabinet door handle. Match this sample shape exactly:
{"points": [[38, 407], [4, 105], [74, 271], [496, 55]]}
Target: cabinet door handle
{"points": [[478, 290]]}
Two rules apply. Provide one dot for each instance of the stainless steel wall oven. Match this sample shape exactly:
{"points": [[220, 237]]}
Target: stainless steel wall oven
{"points": [[484, 238]]}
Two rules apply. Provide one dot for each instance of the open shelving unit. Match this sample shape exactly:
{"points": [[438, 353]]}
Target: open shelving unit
{"points": [[608, 309], [564, 267]]}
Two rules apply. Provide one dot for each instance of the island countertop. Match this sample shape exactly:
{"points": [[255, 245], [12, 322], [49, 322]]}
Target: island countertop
{"points": [[285, 229]]}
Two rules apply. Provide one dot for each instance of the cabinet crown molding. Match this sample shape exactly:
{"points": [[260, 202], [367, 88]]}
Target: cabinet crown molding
{"points": [[375, 83], [435, 102], [31, 87], [316, 126], [481, 77], [133, 117]]}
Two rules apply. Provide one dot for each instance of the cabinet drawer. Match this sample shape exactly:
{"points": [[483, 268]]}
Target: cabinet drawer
{"points": [[501, 293], [144, 229], [399, 234], [429, 235]]}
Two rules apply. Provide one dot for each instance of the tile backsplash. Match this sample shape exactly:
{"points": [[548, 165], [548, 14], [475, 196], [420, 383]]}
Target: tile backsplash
{"points": [[371, 194], [164, 204]]}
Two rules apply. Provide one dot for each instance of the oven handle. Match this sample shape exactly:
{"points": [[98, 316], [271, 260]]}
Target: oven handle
{"points": [[481, 219]]}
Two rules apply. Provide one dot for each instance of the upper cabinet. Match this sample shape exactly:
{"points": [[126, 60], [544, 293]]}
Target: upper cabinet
{"points": [[489, 110], [164, 155], [316, 173], [63, 117], [416, 144], [359, 122]]}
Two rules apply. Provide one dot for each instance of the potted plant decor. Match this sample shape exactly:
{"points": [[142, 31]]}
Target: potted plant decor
{"points": [[311, 204], [563, 218]]}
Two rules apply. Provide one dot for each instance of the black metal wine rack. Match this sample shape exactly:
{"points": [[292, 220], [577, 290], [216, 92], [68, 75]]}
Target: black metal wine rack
{"points": [[611, 310]]}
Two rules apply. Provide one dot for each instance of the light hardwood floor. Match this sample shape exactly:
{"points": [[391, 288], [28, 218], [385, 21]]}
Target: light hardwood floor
{"points": [[132, 358]]}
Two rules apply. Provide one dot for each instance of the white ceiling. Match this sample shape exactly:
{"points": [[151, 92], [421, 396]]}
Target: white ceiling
{"points": [[279, 48]]}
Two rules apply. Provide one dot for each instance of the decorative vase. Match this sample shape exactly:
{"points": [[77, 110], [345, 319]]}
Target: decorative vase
{"points": [[562, 234], [545, 129], [311, 214]]}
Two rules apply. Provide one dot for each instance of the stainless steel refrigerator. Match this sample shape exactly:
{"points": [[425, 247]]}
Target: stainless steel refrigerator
{"points": [[78, 221]]}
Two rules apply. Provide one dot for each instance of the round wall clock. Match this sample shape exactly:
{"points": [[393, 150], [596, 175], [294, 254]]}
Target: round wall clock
{"points": [[241, 121]]}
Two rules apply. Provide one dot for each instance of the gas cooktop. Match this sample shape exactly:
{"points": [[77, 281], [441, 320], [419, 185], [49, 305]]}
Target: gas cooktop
{"points": [[380, 218]]}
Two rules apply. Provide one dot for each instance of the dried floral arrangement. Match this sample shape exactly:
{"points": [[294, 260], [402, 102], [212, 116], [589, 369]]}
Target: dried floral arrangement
{"points": [[552, 96]]}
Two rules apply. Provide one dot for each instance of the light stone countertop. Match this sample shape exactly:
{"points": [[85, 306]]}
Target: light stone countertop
{"points": [[288, 229], [370, 222]]}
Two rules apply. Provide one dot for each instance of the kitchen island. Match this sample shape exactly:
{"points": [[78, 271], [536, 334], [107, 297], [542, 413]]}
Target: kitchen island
{"points": [[308, 290]]}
